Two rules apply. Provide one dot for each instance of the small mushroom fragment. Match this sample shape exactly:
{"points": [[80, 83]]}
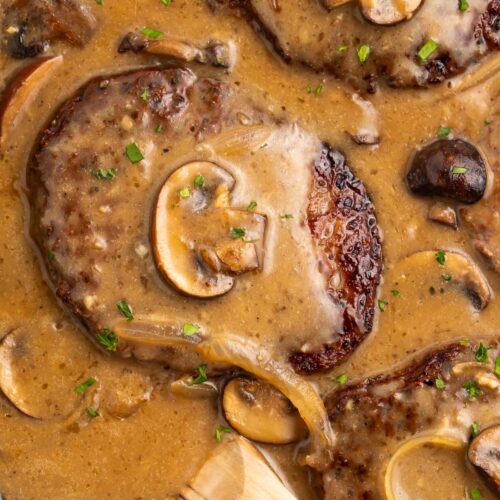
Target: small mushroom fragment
{"points": [[443, 214], [484, 453], [200, 244], [236, 470], [184, 387], [261, 413], [451, 168], [214, 53], [331, 4], [21, 91], [462, 271], [387, 12]]}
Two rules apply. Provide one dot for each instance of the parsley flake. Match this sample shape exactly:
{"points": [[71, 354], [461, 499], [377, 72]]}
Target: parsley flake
{"points": [[463, 5], [252, 206], [481, 354], [440, 256], [133, 153], [166, 2], [152, 33], [472, 389], [363, 52], [104, 174], [475, 494], [427, 49], [85, 385], [286, 216], [474, 429], [158, 128], [201, 377], [99, 2], [395, 293], [457, 170], [219, 430], [447, 277], [199, 180], [185, 193], [497, 366], [124, 307], [464, 342], [108, 339], [342, 379], [188, 329], [443, 132], [382, 304], [51, 256], [342, 48], [488, 121], [93, 412], [439, 383], [144, 95], [238, 232]]}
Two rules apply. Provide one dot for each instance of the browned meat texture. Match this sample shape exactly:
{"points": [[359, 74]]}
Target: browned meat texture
{"points": [[375, 416], [342, 220], [30, 25], [94, 233], [306, 32]]}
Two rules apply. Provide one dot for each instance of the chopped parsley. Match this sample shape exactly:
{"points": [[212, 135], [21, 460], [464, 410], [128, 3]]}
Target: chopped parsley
{"points": [[166, 2], [93, 412], [317, 90], [472, 389], [152, 33], [497, 366], [488, 121], [382, 304], [201, 377], [99, 2], [105, 174], [133, 153], [475, 494], [447, 277], [144, 95], [443, 132], [188, 329], [238, 232], [363, 52], [342, 48], [457, 170], [199, 180], [219, 430], [85, 385], [286, 216], [440, 256], [439, 383], [184, 193], [474, 429], [342, 379], [464, 342], [463, 5], [124, 307], [252, 206], [108, 339], [427, 49], [51, 256], [481, 354], [395, 293], [158, 128]]}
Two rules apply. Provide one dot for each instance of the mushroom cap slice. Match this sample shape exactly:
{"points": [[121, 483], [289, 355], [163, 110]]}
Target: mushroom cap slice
{"points": [[484, 453], [261, 413], [387, 12], [236, 470], [200, 243], [21, 91]]}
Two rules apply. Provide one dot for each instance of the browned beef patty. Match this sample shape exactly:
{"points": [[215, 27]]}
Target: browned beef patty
{"points": [[93, 232], [373, 417], [338, 40]]}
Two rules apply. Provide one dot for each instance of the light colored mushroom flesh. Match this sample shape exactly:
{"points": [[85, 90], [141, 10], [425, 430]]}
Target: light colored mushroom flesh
{"points": [[484, 453], [387, 12]]}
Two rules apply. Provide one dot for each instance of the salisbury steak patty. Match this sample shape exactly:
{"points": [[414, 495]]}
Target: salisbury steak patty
{"points": [[437, 41], [94, 180]]}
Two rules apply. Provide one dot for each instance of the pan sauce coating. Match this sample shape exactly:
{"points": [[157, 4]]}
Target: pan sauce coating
{"points": [[305, 32], [89, 239]]}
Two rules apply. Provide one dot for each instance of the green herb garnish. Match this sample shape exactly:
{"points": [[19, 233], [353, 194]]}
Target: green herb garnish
{"points": [[252, 206], [475, 494], [105, 174], [201, 377], [463, 5], [382, 304], [85, 385], [166, 2], [439, 383], [363, 52], [237, 232], [341, 379], [124, 307], [427, 49], [93, 412], [134, 153], [199, 180], [488, 121], [185, 193], [158, 128], [342, 48], [481, 354], [472, 389], [474, 429], [440, 256], [152, 33], [447, 277], [108, 339], [99, 2], [443, 132], [51, 256], [395, 293], [219, 430], [188, 329], [319, 89], [464, 342], [286, 216], [497, 366], [144, 95], [458, 170]]}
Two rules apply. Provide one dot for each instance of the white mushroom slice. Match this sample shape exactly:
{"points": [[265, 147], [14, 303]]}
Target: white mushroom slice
{"points": [[387, 12], [21, 91], [408, 446], [199, 243], [25, 381], [484, 453], [236, 470], [184, 387], [461, 270], [261, 413]]}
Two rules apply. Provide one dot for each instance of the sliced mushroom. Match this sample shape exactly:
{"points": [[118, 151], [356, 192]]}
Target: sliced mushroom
{"points": [[214, 53], [451, 168], [200, 244], [463, 272], [21, 91], [184, 387], [408, 446], [443, 214], [484, 453], [261, 413], [236, 470], [387, 12]]}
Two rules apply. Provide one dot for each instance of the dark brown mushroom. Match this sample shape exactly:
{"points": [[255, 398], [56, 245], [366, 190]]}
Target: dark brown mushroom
{"points": [[484, 453], [452, 168]]}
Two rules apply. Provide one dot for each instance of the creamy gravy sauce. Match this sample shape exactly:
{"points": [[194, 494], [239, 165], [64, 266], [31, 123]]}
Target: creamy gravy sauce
{"points": [[153, 452]]}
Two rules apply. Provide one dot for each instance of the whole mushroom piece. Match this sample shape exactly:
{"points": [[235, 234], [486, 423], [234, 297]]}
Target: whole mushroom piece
{"points": [[484, 453], [452, 168]]}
